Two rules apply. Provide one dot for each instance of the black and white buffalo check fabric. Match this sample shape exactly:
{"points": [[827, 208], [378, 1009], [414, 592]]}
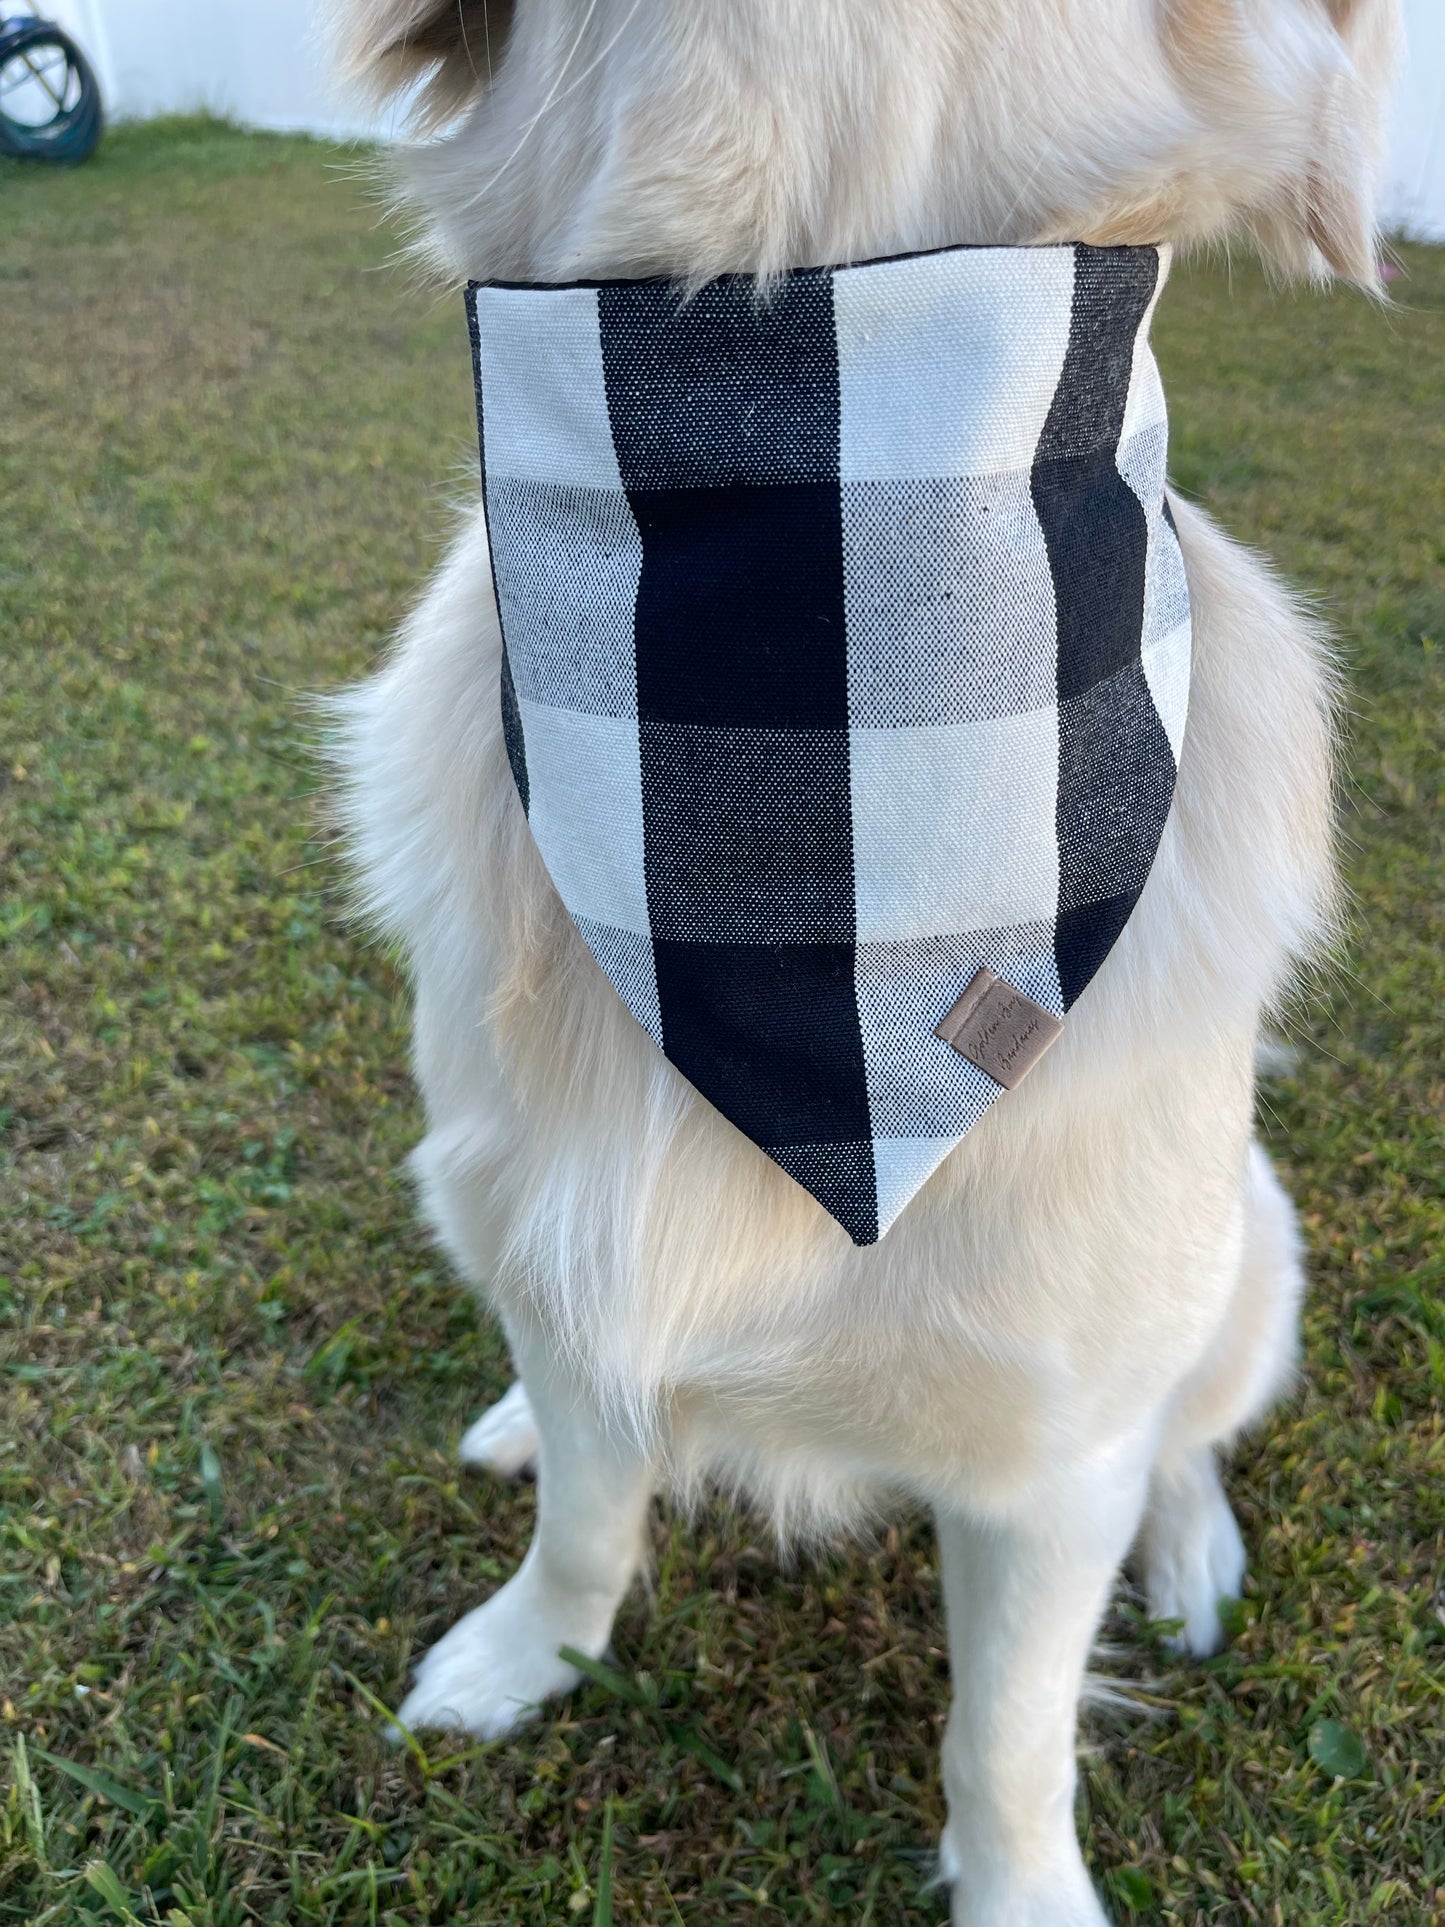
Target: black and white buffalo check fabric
{"points": [[846, 650]]}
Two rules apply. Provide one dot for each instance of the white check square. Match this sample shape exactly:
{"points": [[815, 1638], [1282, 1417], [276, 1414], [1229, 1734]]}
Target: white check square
{"points": [[986, 792], [545, 414], [585, 775], [957, 377]]}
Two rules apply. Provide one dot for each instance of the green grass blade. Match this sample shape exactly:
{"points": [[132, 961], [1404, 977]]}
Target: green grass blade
{"points": [[102, 1879], [700, 1750], [408, 1739], [140, 1804], [606, 1677], [602, 1909]]}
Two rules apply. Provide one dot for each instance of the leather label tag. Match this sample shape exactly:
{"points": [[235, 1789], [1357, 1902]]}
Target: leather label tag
{"points": [[999, 1029]]}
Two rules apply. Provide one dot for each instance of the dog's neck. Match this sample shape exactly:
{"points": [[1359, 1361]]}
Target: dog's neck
{"points": [[653, 136]]}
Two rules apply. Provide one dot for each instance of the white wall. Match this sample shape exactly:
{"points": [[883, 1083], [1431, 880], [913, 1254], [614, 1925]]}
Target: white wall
{"points": [[256, 61], [1414, 186]]}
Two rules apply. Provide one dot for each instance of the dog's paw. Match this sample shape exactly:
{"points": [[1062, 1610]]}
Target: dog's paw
{"points": [[1071, 1902], [1080, 1909], [492, 1671], [1193, 1557], [504, 1439]]}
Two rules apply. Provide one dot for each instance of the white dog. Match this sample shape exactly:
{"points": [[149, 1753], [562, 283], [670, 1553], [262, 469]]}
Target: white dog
{"points": [[1099, 1286]]}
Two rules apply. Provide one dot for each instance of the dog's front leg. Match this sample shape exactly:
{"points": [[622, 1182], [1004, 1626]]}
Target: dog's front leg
{"points": [[495, 1666], [1025, 1594]]}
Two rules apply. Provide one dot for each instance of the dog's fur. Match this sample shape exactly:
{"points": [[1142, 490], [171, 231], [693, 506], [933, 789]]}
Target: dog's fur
{"points": [[1098, 1288]]}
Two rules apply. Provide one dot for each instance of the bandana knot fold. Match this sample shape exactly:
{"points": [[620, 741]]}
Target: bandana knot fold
{"points": [[845, 662]]}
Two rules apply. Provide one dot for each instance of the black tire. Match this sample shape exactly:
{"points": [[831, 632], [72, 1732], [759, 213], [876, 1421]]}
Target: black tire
{"points": [[71, 135]]}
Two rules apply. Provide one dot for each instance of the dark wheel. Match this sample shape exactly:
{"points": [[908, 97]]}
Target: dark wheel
{"points": [[49, 97]]}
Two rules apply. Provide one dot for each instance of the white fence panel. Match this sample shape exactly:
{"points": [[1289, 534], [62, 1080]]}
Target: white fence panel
{"points": [[1414, 186], [258, 62]]}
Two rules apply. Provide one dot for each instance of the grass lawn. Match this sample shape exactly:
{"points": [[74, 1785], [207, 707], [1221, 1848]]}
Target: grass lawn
{"points": [[232, 1373]]}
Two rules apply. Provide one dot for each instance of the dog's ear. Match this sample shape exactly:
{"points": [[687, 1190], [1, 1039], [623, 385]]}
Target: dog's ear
{"points": [[1311, 79], [436, 53], [1342, 180]]}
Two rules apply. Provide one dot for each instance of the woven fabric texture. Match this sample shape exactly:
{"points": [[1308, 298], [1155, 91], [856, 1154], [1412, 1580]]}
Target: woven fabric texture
{"points": [[846, 650]]}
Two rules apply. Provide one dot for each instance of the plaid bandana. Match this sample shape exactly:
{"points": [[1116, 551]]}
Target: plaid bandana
{"points": [[845, 666]]}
